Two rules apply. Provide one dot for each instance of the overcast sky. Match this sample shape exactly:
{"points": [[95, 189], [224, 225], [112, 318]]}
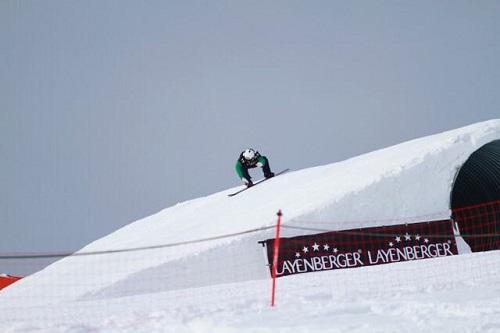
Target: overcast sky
{"points": [[113, 110]]}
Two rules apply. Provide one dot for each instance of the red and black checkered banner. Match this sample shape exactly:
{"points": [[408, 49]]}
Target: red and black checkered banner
{"points": [[363, 247]]}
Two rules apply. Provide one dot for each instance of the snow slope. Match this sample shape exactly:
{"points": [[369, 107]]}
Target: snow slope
{"points": [[224, 278]]}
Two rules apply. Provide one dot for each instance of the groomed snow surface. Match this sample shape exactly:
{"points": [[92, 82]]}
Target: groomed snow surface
{"points": [[223, 284], [459, 294]]}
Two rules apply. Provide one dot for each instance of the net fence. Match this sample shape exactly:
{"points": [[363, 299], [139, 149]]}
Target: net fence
{"points": [[224, 272], [480, 225]]}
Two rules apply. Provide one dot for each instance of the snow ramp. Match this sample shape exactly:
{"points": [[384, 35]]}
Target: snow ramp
{"points": [[403, 183]]}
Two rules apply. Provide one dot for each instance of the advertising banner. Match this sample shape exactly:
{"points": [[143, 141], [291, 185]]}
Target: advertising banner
{"points": [[6, 280], [363, 247]]}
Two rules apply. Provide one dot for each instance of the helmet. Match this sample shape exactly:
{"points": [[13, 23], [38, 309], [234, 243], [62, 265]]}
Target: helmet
{"points": [[249, 154]]}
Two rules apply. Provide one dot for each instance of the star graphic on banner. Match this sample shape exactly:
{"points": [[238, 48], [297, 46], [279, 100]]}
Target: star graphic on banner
{"points": [[305, 249], [326, 247], [391, 244], [335, 250], [449, 241], [426, 240], [297, 255], [407, 236], [315, 247], [398, 239], [417, 237]]}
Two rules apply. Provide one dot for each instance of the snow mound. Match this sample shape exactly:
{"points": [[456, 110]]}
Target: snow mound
{"points": [[406, 182]]}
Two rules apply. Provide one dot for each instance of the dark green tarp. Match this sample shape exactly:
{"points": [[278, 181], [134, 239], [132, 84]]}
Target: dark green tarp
{"points": [[475, 198], [478, 180]]}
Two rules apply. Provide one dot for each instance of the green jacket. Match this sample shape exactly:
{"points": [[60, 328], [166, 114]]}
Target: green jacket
{"points": [[243, 165]]}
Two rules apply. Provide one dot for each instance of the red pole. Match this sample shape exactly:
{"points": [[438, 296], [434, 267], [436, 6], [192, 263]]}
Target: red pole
{"points": [[274, 268]]}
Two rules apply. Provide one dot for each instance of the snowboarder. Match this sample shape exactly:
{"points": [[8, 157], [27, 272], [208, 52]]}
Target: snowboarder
{"points": [[250, 159]]}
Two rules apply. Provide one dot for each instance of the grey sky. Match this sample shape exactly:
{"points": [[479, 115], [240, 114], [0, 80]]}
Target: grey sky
{"points": [[113, 110]]}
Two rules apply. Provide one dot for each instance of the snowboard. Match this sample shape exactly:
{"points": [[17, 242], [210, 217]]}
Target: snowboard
{"points": [[257, 183]]}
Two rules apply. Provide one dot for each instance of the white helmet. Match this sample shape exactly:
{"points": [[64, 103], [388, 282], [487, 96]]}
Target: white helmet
{"points": [[249, 154]]}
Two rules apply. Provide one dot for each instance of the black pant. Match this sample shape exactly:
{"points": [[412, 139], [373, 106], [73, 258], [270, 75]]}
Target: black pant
{"points": [[265, 168]]}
